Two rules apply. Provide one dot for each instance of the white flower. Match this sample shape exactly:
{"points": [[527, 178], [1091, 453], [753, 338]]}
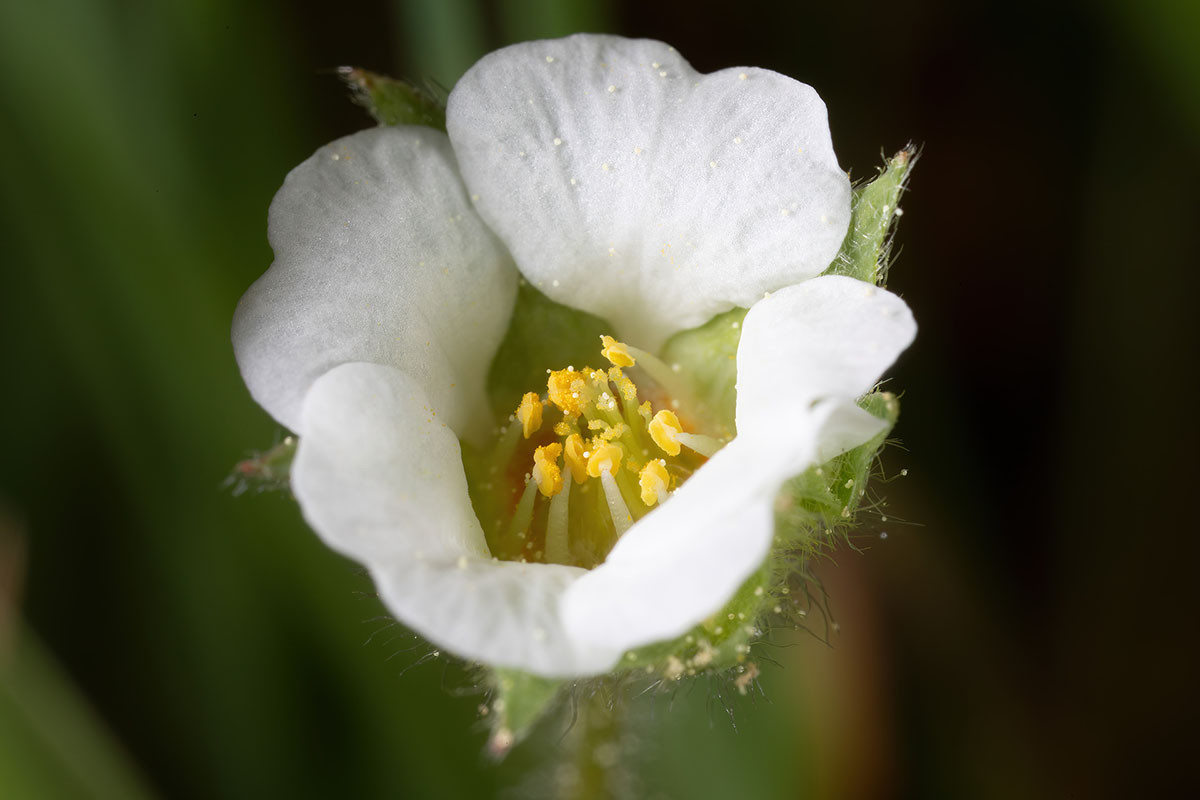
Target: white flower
{"points": [[622, 183]]}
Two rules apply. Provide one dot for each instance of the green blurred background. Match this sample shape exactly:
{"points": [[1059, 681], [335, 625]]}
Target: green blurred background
{"points": [[1031, 637]]}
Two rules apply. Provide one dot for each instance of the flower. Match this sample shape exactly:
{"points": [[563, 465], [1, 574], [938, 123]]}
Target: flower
{"points": [[620, 182]]}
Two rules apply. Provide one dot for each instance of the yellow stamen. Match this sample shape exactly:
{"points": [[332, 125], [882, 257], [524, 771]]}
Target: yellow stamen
{"points": [[545, 469], [616, 352], [605, 457], [664, 430], [574, 457], [654, 481], [567, 390], [529, 413]]}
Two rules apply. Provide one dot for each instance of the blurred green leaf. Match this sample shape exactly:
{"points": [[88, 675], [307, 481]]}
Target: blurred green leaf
{"points": [[51, 743]]}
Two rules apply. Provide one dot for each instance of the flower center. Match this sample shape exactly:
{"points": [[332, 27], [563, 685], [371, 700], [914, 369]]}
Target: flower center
{"points": [[579, 463]]}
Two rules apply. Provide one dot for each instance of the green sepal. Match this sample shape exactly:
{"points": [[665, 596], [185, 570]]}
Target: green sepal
{"points": [[542, 335], [266, 471], [812, 510], [518, 701], [818, 505], [717, 644], [707, 356], [873, 210], [393, 102]]}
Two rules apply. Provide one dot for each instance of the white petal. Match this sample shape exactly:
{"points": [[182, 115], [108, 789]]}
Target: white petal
{"points": [[682, 562], [829, 338], [502, 613], [377, 472], [629, 185], [378, 257], [380, 478]]}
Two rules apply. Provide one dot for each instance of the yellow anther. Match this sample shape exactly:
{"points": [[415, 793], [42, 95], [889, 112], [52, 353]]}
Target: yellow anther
{"points": [[574, 459], [654, 481], [567, 390], [545, 469], [597, 425], [529, 413], [664, 430], [563, 428], [605, 457], [615, 432], [616, 352], [644, 410]]}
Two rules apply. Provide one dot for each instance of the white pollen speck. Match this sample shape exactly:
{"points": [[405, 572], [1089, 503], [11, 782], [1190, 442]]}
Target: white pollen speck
{"points": [[737, 325], [783, 212], [766, 295], [737, 140], [336, 157], [587, 454], [611, 88], [612, 251], [742, 76], [712, 164], [637, 151], [674, 404], [655, 64], [553, 283], [557, 141], [676, 367], [474, 197], [462, 562], [662, 73], [522, 154], [824, 218], [549, 59], [899, 212], [869, 291], [572, 181], [605, 167], [904, 473]]}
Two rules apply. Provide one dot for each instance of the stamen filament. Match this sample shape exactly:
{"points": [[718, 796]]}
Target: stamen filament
{"points": [[507, 446], [704, 445], [557, 549], [661, 374], [622, 519], [523, 516]]}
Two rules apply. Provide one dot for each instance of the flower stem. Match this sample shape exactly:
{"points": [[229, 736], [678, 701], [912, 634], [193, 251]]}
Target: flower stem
{"points": [[597, 742]]}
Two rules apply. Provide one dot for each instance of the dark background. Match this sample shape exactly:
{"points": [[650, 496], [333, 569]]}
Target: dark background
{"points": [[1031, 636]]}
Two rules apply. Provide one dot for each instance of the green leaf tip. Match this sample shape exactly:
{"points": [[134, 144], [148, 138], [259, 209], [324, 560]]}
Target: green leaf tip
{"points": [[391, 101], [519, 700], [874, 208]]}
